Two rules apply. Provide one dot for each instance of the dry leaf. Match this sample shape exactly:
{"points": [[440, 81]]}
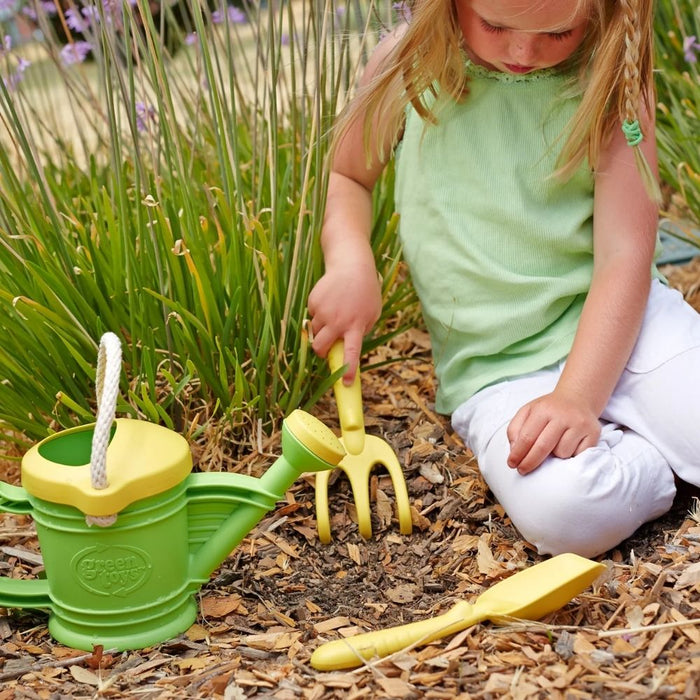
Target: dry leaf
{"points": [[354, 553], [197, 633], [498, 682], [220, 606], [582, 645], [465, 543], [333, 624], [404, 593], [271, 640], [395, 687], [418, 520], [385, 511], [233, 691], [688, 630], [194, 663], [689, 577], [484, 559], [657, 644], [430, 472], [635, 617], [83, 675]]}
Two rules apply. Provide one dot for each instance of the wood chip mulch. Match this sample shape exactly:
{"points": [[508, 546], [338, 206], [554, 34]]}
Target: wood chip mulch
{"points": [[634, 634]]}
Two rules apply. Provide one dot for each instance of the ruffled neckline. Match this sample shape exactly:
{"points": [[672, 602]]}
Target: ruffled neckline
{"points": [[476, 71]]}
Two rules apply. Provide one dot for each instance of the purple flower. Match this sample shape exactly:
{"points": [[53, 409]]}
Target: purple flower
{"points": [[6, 43], [12, 81], [8, 6], [48, 8], [75, 20], [236, 15], [92, 15], [191, 39], [144, 114], [403, 11], [29, 12], [691, 47], [113, 11], [75, 53]]}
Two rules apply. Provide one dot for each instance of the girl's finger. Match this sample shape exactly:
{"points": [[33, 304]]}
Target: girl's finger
{"points": [[516, 424], [525, 438], [323, 339], [353, 350], [540, 448], [586, 442], [569, 444]]}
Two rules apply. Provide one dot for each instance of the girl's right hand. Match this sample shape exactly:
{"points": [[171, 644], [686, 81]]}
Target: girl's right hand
{"points": [[345, 303]]}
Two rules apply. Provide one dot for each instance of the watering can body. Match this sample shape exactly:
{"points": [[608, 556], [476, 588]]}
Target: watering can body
{"points": [[132, 583]]}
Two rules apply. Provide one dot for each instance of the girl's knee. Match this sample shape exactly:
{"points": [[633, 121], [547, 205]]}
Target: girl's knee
{"points": [[569, 525], [588, 504]]}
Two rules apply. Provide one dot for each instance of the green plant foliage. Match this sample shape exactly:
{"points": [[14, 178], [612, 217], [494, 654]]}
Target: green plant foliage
{"points": [[678, 100], [176, 201]]}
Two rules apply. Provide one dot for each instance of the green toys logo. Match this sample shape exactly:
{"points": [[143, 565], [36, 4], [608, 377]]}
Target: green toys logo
{"points": [[113, 570]]}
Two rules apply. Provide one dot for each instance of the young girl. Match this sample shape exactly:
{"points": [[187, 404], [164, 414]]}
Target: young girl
{"points": [[524, 138]]}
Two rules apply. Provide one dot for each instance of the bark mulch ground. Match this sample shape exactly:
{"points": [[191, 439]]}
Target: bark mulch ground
{"points": [[634, 634]]}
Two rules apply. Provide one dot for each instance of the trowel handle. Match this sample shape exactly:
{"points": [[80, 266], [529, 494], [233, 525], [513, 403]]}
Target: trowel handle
{"points": [[347, 653], [349, 401], [14, 499]]}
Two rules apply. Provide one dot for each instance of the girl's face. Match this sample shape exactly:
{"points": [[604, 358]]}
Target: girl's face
{"points": [[521, 36]]}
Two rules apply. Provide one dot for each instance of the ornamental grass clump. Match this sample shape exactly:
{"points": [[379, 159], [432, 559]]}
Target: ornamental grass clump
{"points": [[161, 177]]}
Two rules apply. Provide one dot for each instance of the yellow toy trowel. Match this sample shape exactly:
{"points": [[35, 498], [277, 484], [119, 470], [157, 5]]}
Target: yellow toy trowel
{"points": [[530, 594], [364, 452]]}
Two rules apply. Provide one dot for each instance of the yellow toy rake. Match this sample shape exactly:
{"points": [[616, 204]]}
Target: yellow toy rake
{"points": [[364, 452]]}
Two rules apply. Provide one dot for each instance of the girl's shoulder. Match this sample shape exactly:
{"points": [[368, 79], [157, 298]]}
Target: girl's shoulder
{"points": [[383, 50]]}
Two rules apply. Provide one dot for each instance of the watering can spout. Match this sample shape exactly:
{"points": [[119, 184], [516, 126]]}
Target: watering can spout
{"points": [[307, 446]]}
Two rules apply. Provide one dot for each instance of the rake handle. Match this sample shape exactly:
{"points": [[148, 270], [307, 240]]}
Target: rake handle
{"points": [[349, 401]]}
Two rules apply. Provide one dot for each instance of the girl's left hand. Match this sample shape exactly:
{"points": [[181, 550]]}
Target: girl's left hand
{"points": [[554, 424]]}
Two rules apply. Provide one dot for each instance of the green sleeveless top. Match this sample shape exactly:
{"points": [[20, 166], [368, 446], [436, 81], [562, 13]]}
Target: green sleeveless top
{"points": [[500, 252]]}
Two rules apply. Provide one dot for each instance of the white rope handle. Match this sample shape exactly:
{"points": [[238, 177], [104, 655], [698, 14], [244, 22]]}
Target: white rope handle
{"points": [[109, 362]]}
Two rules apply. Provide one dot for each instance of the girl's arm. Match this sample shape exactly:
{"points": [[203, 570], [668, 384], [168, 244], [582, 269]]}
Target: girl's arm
{"points": [[346, 301], [565, 422]]}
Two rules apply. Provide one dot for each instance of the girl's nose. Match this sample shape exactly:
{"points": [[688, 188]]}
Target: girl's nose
{"points": [[524, 49]]}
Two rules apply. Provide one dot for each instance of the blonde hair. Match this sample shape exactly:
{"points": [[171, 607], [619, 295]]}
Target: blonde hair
{"points": [[615, 80]]}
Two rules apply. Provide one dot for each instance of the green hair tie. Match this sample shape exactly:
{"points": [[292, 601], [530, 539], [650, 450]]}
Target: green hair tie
{"points": [[632, 132]]}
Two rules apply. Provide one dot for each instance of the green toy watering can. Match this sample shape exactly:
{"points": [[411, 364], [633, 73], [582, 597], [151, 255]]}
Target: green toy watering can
{"points": [[128, 535]]}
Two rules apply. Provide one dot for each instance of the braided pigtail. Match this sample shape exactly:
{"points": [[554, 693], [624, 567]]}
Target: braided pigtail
{"points": [[637, 34]]}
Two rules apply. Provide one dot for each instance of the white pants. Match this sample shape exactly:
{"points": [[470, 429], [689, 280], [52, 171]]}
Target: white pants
{"points": [[589, 503]]}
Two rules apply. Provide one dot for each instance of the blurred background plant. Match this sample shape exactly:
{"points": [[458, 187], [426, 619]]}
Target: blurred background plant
{"points": [[678, 113], [161, 177]]}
